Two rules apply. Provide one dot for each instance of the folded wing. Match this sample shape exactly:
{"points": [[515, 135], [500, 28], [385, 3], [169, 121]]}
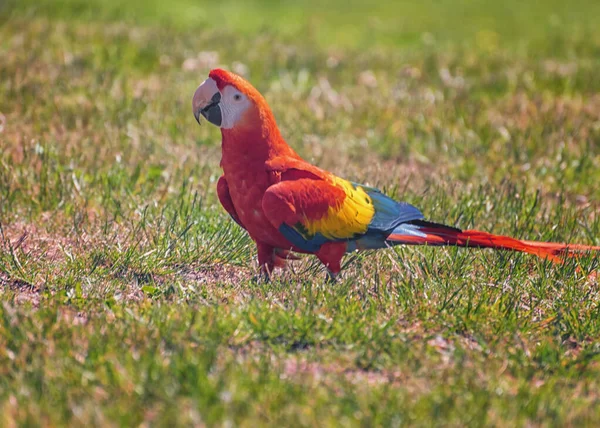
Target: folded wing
{"points": [[311, 207]]}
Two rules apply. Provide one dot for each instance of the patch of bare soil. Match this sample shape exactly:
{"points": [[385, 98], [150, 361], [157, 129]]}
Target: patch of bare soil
{"points": [[215, 274], [35, 242], [298, 368], [23, 292]]}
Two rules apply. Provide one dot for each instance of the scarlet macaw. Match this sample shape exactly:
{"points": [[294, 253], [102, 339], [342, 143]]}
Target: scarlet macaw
{"points": [[285, 203]]}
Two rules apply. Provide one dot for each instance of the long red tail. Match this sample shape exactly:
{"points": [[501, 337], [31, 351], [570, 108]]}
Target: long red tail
{"points": [[438, 234]]}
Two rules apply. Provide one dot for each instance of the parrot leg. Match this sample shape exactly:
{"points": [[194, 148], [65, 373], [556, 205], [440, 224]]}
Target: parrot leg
{"points": [[266, 260], [330, 254], [281, 257]]}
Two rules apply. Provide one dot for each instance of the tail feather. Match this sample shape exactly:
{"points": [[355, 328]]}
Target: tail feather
{"points": [[438, 234]]}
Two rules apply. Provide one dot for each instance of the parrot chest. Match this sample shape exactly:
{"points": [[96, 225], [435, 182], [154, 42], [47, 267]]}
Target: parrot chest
{"points": [[247, 186]]}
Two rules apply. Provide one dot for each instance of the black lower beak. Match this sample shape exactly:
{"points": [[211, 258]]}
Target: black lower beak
{"points": [[212, 112]]}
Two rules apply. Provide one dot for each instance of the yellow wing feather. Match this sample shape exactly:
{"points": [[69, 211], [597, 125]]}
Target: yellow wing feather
{"points": [[351, 218]]}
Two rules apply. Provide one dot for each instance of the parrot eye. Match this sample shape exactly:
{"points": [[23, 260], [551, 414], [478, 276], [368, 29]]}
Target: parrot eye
{"points": [[234, 104]]}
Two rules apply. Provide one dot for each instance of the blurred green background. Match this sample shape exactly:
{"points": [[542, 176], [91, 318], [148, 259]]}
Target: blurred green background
{"points": [[349, 24], [126, 289]]}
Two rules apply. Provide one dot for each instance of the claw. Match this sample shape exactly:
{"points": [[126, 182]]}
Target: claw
{"points": [[263, 277], [331, 277]]}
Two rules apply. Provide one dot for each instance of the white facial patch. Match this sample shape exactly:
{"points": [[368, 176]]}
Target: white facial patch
{"points": [[233, 105]]}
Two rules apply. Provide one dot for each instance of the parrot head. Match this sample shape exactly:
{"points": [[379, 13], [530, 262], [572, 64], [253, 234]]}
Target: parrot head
{"points": [[227, 100]]}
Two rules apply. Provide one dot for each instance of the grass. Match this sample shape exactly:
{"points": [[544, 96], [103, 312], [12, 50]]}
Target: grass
{"points": [[126, 292]]}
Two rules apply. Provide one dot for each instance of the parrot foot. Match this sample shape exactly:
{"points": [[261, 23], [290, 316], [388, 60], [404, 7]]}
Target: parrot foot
{"points": [[261, 278], [331, 277]]}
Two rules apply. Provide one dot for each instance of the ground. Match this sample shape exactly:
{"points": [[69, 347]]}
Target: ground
{"points": [[126, 289]]}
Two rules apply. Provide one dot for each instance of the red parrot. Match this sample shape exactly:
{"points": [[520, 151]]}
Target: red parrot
{"points": [[286, 204]]}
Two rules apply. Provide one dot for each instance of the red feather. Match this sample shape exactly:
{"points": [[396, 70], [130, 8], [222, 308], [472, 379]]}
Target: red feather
{"points": [[441, 235]]}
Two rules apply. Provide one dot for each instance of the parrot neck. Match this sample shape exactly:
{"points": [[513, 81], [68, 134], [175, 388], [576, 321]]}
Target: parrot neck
{"points": [[255, 139]]}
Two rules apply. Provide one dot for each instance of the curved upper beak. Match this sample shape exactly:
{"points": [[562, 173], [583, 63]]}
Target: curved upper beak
{"points": [[206, 102]]}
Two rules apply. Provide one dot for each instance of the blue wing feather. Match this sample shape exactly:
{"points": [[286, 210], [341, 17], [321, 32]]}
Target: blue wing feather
{"points": [[389, 213], [390, 216], [311, 245]]}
